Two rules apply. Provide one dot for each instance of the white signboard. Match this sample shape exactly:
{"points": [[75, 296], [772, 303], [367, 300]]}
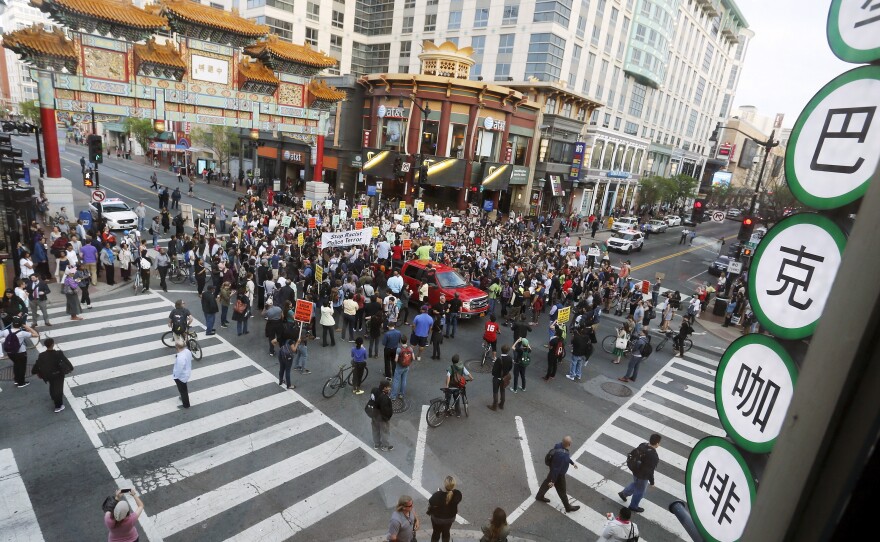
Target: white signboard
{"points": [[346, 238], [718, 216], [754, 385], [835, 143], [594, 251], [735, 267], [720, 490], [852, 34], [793, 270], [212, 70]]}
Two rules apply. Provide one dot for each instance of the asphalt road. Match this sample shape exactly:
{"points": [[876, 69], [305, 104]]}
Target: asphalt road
{"points": [[251, 461]]}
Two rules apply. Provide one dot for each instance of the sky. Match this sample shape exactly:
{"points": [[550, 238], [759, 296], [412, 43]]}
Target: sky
{"points": [[789, 59]]}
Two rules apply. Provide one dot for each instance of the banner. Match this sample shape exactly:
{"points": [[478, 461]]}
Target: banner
{"points": [[345, 238]]}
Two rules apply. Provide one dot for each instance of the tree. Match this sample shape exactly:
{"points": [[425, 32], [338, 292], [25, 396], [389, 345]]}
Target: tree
{"points": [[30, 111], [219, 139], [775, 201], [682, 187], [141, 130], [650, 190]]}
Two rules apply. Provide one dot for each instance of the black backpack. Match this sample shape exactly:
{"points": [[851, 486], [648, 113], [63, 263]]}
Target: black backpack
{"points": [[636, 457], [647, 349], [548, 459]]}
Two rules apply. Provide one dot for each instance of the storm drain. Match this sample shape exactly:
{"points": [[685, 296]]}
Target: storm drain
{"points": [[618, 390], [400, 405], [474, 366]]}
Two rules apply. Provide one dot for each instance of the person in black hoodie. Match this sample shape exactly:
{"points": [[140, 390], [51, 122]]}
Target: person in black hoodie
{"points": [[642, 466], [442, 508], [210, 308], [51, 366], [381, 423]]}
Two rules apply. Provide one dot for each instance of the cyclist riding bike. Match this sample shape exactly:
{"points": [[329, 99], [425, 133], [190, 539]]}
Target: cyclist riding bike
{"points": [[491, 335], [179, 320], [457, 377], [683, 332]]}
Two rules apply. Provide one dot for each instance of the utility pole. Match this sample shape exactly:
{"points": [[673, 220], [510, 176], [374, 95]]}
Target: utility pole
{"points": [[94, 132], [767, 145]]}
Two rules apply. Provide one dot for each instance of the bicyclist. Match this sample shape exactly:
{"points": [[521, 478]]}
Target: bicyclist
{"points": [[457, 377], [491, 335], [179, 320], [683, 332]]}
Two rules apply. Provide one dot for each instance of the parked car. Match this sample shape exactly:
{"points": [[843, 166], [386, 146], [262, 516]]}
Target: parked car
{"points": [[734, 213], [116, 212], [626, 241], [446, 281], [672, 220], [687, 220], [625, 223], [656, 226], [719, 265]]}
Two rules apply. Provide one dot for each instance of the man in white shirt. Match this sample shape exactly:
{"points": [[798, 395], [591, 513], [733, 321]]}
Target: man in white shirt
{"points": [[182, 371], [395, 283], [20, 329], [383, 249]]}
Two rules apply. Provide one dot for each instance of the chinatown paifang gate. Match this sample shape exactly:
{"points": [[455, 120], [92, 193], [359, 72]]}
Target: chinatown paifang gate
{"points": [[176, 60], [456, 134]]}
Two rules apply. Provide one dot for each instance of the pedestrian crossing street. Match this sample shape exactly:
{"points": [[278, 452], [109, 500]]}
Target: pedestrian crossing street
{"points": [[228, 468], [677, 403]]}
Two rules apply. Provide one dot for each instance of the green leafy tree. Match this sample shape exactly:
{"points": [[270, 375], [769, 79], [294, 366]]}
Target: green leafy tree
{"points": [[141, 130], [219, 139], [30, 111], [774, 201], [650, 190], [682, 187]]}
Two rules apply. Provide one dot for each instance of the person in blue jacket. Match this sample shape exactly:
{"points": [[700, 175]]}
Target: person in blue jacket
{"points": [[556, 477]]}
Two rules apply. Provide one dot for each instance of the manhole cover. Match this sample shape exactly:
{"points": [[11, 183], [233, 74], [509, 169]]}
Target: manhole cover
{"points": [[400, 405], [475, 366], [6, 373], [618, 390]]}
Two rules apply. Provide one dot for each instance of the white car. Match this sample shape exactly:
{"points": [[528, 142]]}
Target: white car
{"points": [[116, 212], [657, 226], [625, 223], [673, 220], [733, 213], [626, 241]]}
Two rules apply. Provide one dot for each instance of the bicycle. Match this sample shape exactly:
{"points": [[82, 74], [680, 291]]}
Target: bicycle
{"points": [[191, 342], [437, 410], [610, 340], [671, 335], [487, 356], [340, 379], [177, 273]]}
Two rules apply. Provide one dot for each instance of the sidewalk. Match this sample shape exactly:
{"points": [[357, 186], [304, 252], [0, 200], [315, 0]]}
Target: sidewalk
{"points": [[713, 324], [459, 535]]}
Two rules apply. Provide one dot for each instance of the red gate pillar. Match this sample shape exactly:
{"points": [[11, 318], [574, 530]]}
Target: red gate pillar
{"points": [[56, 188], [319, 160]]}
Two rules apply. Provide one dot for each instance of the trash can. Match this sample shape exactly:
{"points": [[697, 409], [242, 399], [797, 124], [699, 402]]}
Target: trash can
{"points": [[720, 306], [86, 218]]}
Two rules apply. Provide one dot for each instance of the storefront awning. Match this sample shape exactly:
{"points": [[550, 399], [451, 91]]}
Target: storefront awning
{"points": [[117, 127], [496, 176]]}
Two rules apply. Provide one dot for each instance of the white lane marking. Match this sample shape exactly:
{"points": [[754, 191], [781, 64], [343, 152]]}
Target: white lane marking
{"points": [[88, 325], [695, 276], [100, 304], [228, 451], [166, 360], [421, 440], [18, 522], [618, 461], [699, 357], [531, 475], [690, 376], [690, 421], [696, 367], [685, 402], [653, 426], [631, 440], [123, 336]]}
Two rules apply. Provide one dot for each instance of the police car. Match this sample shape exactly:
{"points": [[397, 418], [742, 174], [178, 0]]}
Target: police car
{"points": [[626, 241], [116, 212]]}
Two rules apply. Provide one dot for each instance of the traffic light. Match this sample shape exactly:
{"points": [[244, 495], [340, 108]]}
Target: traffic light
{"points": [[746, 229], [699, 209], [746, 252], [398, 167], [423, 175], [88, 182], [11, 164], [96, 149]]}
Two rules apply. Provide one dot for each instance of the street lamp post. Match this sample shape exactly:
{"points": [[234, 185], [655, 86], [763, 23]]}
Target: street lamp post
{"points": [[426, 110], [767, 145]]}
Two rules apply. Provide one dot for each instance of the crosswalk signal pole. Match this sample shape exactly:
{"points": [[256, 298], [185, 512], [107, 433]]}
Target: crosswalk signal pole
{"points": [[97, 178]]}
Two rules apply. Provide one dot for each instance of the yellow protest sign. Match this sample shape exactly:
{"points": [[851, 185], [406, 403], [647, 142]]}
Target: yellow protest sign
{"points": [[300, 239], [406, 219], [319, 273], [375, 231], [420, 206], [438, 246], [402, 204], [307, 204], [563, 315], [355, 213]]}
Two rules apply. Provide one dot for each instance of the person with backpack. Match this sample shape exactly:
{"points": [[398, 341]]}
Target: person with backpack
{"points": [[179, 320], [390, 343], [641, 349], [522, 357], [642, 462], [51, 366], [301, 352], [382, 412], [558, 459], [457, 377], [403, 356], [620, 528], [501, 376], [15, 347], [285, 363], [555, 354], [581, 350]]}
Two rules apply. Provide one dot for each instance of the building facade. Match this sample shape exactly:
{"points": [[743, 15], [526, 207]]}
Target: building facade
{"points": [[16, 15], [666, 70]]}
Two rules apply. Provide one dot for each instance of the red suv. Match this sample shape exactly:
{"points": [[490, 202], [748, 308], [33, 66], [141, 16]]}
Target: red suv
{"points": [[446, 281]]}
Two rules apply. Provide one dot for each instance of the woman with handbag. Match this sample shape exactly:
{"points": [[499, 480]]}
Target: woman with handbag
{"points": [[70, 289], [404, 521], [51, 366], [620, 343], [497, 530], [241, 312], [85, 280], [442, 509]]}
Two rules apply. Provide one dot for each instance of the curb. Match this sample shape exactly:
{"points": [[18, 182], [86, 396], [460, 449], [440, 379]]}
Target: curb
{"points": [[459, 535]]}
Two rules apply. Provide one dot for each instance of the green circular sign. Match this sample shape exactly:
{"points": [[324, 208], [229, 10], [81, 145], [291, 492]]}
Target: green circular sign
{"points": [[720, 490], [834, 147], [853, 33], [792, 273], [754, 385]]}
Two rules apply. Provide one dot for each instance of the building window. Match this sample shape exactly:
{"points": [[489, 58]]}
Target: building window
{"points": [[481, 18], [725, 103], [550, 106], [453, 39], [335, 44], [403, 69], [510, 14], [502, 72], [544, 60], [409, 4], [609, 41], [609, 155], [594, 39], [566, 110], [558, 11], [707, 57], [284, 5], [581, 27], [454, 20], [430, 22], [407, 25], [284, 29], [692, 124], [698, 94], [478, 44], [312, 36], [405, 48], [313, 11], [637, 100], [600, 7], [631, 128], [505, 43], [596, 153], [338, 19], [731, 82], [617, 121], [215, 5], [606, 121]]}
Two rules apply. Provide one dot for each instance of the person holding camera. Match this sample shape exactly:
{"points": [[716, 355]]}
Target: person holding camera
{"points": [[121, 521], [620, 528]]}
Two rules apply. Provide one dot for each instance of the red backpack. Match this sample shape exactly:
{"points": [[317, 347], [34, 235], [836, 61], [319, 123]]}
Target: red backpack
{"points": [[406, 356]]}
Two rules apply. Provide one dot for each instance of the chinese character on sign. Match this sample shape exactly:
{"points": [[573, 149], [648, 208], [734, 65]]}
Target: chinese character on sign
{"points": [[837, 126], [761, 392], [867, 6], [719, 492], [795, 281]]}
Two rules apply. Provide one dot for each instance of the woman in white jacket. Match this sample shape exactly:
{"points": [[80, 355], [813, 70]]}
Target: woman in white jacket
{"points": [[620, 528]]}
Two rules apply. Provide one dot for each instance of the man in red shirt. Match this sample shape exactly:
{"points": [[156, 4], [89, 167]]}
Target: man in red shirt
{"points": [[397, 251], [491, 335]]}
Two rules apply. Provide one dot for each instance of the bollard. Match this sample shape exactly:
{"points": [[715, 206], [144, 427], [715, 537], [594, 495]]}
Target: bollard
{"points": [[680, 510]]}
